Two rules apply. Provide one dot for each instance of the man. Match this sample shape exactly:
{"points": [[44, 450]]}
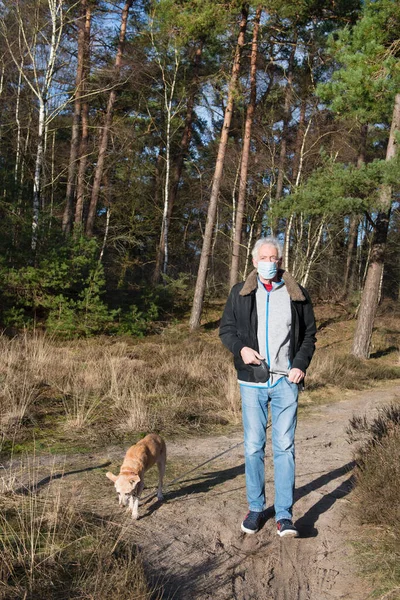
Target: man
{"points": [[269, 316]]}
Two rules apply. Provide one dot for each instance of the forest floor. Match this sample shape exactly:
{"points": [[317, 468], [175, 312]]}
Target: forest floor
{"points": [[192, 544]]}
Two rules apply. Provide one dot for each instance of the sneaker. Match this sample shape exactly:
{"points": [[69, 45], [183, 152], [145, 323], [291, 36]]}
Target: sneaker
{"points": [[252, 522], [285, 527]]}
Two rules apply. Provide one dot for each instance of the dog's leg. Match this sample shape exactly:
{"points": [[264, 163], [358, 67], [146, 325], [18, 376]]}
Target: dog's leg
{"points": [[134, 506], [161, 473]]}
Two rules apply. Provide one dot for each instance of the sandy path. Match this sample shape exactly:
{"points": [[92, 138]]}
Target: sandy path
{"points": [[192, 543]]}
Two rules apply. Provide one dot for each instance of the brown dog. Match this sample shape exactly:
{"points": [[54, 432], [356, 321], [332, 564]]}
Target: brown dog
{"points": [[140, 457]]}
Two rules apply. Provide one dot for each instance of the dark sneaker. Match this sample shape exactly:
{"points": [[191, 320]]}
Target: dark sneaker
{"points": [[252, 522], [285, 527]]}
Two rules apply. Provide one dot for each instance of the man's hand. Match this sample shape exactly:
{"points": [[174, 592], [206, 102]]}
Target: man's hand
{"points": [[295, 375], [250, 356]]}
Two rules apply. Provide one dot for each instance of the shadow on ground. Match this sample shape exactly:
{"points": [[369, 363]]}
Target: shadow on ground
{"points": [[33, 488]]}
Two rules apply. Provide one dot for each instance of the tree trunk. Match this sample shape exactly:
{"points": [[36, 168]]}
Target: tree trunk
{"points": [[169, 114], [70, 195], [370, 295], [297, 169], [178, 166], [18, 122], [83, 150], [245, 154], [351, 250], [298, 146], [285, 128], [107, 124], [212, 207], [37, 175], [354, 220]]}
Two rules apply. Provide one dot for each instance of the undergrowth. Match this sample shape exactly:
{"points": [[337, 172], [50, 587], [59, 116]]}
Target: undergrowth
{"points": [[49, 548], [376, 494], [62, 394], [74, 395]]}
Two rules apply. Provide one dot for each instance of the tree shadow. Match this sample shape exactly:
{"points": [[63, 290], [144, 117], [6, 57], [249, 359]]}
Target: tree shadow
{"points": [[384, 352], [24, 490], [331, 321], [211, 325]]}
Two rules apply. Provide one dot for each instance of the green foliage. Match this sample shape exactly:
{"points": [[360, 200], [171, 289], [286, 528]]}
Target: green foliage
{"points": [[155, 302], [369, 59], [336, 188], [63, 292], [192, 19], [136, 322]]}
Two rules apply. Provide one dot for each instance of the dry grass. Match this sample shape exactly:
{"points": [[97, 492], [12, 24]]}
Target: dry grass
{"points": [[49, 548], [23, 365], [175, 382], [376, 495], [72, 396]]}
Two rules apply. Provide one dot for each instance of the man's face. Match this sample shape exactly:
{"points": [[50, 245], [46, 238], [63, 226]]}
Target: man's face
{"points": [[267, 253]]}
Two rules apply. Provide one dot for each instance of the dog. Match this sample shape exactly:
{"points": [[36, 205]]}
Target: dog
{"points": [[138, 459]]}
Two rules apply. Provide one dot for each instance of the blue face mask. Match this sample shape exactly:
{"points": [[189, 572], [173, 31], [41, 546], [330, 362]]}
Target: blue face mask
{"points": [[267, 270]]}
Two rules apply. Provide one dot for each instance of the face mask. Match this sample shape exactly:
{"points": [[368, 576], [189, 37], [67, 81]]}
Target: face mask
{"points": [[267, 270]]}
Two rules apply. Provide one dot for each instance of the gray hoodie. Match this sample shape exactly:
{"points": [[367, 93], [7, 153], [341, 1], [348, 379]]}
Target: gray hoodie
{"points": [[273, 330]]}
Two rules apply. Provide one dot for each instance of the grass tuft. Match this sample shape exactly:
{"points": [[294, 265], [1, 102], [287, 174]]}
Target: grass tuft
{"points": [[51, 549], [376, 495]]}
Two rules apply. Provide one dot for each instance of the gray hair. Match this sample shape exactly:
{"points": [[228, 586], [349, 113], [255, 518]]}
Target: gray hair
{"points": [[271, 241]]}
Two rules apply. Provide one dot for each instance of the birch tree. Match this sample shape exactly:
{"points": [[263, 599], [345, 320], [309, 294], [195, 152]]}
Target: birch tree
{"points": [[169, 76], [34, 46], [178, 165]]}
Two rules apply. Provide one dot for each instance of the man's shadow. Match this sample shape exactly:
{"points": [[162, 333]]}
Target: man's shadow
{"points": [[306, 523]]}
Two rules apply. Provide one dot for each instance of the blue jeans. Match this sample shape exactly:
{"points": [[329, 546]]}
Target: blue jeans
{"points": [[283, 399]]}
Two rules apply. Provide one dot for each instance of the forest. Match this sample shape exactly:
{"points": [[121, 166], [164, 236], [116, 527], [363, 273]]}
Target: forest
{"points": [[145, 146]]}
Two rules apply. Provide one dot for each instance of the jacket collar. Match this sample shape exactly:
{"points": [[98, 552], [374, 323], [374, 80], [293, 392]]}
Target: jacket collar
{"points": [[293, 288]]}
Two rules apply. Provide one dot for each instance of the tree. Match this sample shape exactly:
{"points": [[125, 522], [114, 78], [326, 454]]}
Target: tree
{"points": [[98, 175], [212, 207], [365, 86], [234, 271], [84, 118], [73, 158], [34, 50], [370, 296]]}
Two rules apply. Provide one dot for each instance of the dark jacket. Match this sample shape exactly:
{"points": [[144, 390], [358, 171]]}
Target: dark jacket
{"points": [[239, 323]]}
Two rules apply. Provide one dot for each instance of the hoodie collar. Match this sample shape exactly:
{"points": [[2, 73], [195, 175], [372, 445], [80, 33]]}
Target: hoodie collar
{"points": [[293, 288]]}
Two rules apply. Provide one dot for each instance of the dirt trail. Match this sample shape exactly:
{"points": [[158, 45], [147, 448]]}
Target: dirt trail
{"points": [[192, 543]]}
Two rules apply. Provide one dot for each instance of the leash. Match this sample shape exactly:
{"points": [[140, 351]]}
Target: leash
{"points": [[196, 468]]}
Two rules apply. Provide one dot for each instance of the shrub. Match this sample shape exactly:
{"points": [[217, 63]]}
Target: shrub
{"points": [[63, 292], [377, 502]]}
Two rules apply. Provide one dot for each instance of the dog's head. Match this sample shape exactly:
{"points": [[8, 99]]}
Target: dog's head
{"points": [[125, 486]]}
